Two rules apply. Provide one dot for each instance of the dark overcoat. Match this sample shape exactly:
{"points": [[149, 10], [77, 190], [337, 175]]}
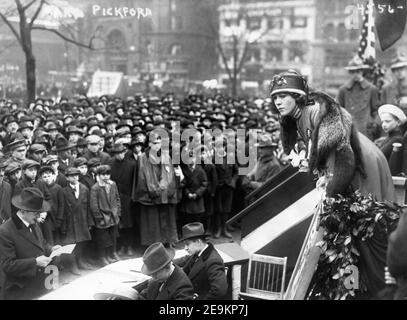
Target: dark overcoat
{"points": [[122, 172], [195, 181], [77, 218], [207, 273], [105, 207], [5, 201], [19, 248], [177, 287]]}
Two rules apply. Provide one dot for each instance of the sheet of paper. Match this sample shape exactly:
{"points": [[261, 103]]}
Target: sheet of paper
{"points": [[63, 250]]}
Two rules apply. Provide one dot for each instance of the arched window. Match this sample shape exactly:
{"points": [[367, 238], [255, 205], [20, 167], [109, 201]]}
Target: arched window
{"points": [[329, 31], [175, 49], [342, 32], [116, 40]]}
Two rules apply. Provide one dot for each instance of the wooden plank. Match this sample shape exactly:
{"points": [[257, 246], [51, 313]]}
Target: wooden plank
{"points": [[307, 261]]}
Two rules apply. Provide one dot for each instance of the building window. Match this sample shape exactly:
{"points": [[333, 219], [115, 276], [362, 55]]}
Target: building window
{"points": [[336, 58], [274, 52], [254, 23], [354, 34], [116, 40], [297, 51], [341, 32], [274, 23], [176, 23], [329, 31], [298, 22], [253, 55], [146, 24], [175, 49]]}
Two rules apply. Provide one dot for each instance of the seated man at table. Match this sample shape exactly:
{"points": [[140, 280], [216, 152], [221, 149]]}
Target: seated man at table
{"points": [[168, 282], [203, 265]]}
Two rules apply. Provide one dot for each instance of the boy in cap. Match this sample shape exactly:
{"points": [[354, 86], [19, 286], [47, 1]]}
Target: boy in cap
{"points": [[51, 225], [169, 282], [194, 186], [77, 221], [82, 165], [203, 265], [105, 207], [53, 162], [29, 171], [123, 174]]}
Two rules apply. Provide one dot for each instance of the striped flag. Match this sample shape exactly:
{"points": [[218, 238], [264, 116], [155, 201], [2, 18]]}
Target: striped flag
{"points": [[367, 38], [390, 21]]}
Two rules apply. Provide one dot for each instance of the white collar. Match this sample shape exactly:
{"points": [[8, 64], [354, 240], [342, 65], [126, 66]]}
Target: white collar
{"points": [[200, 253], [25, 222]]}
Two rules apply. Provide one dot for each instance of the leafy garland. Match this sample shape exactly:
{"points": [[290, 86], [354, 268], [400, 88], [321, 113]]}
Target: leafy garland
{"points": [[346, 221]]}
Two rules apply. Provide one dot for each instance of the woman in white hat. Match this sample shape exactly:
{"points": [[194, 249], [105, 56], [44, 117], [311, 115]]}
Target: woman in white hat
{"points": [[392, 118]]}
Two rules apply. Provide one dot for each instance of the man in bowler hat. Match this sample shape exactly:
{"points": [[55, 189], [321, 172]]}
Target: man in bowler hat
{"points": [[203, 265], [23, 250], [168, 282]]}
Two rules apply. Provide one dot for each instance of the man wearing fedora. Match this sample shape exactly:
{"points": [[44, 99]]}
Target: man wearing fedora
{"points": [[63, 149], [203, 265], [23, 250], [169, 282], [359, 97], [395, 92]]}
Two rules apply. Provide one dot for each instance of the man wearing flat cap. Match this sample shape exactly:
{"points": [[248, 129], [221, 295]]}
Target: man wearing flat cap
{"points": [[359, 97], [17, 150], [23, 250], [203, 265], [29, 171], [169, 282]]}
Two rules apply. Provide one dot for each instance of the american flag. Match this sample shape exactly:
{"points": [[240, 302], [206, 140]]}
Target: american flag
{"points": [[367, 38]]}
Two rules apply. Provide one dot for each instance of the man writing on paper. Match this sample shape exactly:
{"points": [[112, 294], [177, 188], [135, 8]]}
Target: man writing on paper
{"points": [[23, 250]]}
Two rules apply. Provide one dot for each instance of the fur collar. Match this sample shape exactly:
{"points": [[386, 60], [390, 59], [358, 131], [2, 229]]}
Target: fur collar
{"points": [[334, 134]]}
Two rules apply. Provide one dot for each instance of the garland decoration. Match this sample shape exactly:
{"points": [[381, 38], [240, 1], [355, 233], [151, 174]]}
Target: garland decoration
{"points": [[346, 221]]}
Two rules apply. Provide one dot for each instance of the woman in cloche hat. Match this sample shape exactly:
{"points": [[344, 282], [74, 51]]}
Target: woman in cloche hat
{"points": [[344, 158]]}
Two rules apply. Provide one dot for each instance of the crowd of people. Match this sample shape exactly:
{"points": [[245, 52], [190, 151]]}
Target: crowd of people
{"points": [[100, 165], [99, 173]]}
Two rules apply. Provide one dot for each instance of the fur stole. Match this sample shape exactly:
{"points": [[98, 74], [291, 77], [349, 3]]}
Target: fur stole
{"points": [[335, 134]]}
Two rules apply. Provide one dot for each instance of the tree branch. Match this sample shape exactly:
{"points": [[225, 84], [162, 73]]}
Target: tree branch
{"points": [[67, 39], [35, 16], [242, 60], [11, 28], [29, 4], [224, 59]]}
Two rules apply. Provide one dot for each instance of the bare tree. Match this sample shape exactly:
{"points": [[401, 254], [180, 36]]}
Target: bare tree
{"points": [[239, 46], [28, 12]]}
